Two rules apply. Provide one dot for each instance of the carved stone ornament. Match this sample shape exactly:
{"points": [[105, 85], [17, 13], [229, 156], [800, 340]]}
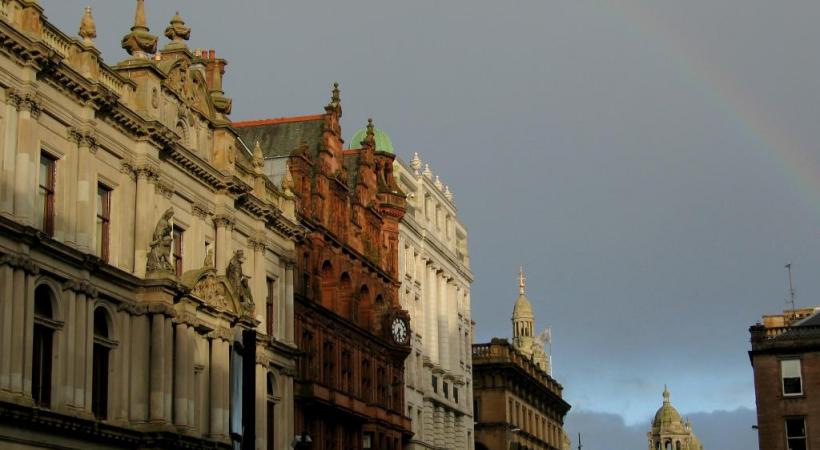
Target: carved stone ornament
{"points": [[159, 257], [213, 291], [239, 281]]}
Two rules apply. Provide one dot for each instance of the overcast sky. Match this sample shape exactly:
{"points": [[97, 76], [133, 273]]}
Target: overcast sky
{"points": [[652, 163]]}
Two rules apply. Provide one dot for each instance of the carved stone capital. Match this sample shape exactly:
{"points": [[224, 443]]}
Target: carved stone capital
{"points": [[222, 333], [164, 188], [83, 138], [81, 287], [200, 210], [161, 308], [127, 167], [29, 102], [20, 262], [257, 243], [13, 98], [224, 220], [134, 309], [148, 171]]}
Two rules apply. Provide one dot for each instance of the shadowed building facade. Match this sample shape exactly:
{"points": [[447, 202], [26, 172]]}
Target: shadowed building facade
{"points": [[435, 271], [785, 358], [517, 405], [146, 261], [351, 329]]}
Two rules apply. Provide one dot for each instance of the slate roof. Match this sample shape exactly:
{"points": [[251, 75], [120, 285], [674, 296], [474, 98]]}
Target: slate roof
{"points": [[280, 137]]}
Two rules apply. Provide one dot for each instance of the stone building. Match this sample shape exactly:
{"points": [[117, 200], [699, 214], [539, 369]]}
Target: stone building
{"points": [[670, 431], [518, 405], [436, 277], [350, 325], [785, 358], [146, 261]]}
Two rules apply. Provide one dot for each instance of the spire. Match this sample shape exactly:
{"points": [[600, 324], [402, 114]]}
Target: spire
{"points": [[415, 163], [88, 29], [665, 395], [370, 137], [139, 43], [447, 194], [427, 172], [287, 181], [177, 32], [522, 280]]}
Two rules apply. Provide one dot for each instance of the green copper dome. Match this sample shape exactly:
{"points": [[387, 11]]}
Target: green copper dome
{"points": [[383, 142]]}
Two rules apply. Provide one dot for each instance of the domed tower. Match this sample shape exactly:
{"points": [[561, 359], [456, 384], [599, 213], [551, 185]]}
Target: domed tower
{"points": [[523, 319], [383, 141], [669, 431]]}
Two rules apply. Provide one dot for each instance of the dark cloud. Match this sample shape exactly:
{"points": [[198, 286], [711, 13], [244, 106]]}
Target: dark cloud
{"points": [[719, 430], [653, 164]]}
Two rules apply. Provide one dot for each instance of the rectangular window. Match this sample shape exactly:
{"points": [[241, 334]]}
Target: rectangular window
{"points": [[103, 221], [99, 393], [455, 394], [796, 434], [790, 372], [41, 366], [435, 384], [446, 390], [269, 306], [178, 235], [45, 194]]}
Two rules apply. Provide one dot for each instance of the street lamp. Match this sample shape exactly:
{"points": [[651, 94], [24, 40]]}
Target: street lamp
{"points": [[301, 442]]}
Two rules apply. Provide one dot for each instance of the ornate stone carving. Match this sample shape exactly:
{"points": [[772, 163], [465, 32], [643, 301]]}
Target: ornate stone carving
{"points": [[88, 29], [139, 43], [81, 287], [239, 281], [199, 210], [20, 262], [224, 220], [159, 257], [177, 32], [212, 291]]}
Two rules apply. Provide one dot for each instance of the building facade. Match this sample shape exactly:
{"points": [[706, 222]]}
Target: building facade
{"points": [[351, 329], [146, 262], [669, 431], [785, 358], [517, 403], [435, 272]]}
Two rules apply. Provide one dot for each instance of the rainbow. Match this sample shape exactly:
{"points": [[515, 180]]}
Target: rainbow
{"points": [[798, 162]]}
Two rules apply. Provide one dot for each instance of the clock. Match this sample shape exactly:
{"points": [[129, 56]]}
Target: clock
{"points": [[398, 329]]}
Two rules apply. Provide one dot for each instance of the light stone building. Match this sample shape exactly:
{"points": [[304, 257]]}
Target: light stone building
{"points": [[671, 432], [146, 261], [435, 273]]}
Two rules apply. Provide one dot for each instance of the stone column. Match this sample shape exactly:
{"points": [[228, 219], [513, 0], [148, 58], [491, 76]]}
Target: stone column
{"points": [[443, 322], [69, 342], [190, 381], [259, 279], [224, 225], [431, 302], [180, 378], [288, 301], [449, 429], [6, 321], [24, 171], [9, 156], [219, 392], [140, 361], [168, 390], [17, 330], [80, 348], [144, 223], [86, 190], [261, 405], [157, 368], [123, 367]]}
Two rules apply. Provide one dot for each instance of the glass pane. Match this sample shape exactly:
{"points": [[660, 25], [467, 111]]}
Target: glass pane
{"points": [[792, 386], [44, 171], [790, 368], [797, 444], [99, 232], [795, 428]]}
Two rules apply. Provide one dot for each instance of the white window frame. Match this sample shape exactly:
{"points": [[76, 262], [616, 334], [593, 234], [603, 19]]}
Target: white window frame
{"points": [[783, 378]]}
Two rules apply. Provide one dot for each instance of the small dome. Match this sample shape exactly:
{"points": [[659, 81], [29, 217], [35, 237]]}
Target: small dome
{"points": [[667, 418], [523, 308], [383, 142]]}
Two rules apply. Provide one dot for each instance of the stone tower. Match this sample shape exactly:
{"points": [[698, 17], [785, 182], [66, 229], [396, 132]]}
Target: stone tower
{"points": [[669, 431], [523, 320]]}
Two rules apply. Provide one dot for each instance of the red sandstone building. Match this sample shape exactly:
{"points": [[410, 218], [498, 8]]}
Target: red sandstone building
{"points": [[785, 357], [349, 326]]}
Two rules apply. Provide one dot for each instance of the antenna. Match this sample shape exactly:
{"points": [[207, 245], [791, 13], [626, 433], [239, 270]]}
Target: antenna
{"points": [[579, 442], [791, 292]]}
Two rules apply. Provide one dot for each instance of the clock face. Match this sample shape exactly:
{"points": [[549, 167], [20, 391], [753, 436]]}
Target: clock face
{"points": [[399, 330]]}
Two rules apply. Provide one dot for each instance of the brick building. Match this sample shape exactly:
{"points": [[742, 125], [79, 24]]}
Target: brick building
{"points": [[353, 333], [785, 357]]}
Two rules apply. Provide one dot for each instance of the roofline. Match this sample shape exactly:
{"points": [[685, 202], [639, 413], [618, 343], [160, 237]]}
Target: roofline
{"points": [[278, 120]]}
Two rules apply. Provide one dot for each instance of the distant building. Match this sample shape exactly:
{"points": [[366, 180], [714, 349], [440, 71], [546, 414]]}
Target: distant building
{"points": [[517, 404], [436, 277], [670, 431], [785, 357]]}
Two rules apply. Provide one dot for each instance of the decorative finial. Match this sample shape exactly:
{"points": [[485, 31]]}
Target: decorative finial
{"points": [[287, 181], [665, 394], [438, 183], [522, 280], [370, 136], [139, 43], [427, 172], [258, 156], [447, 194], [177, 32], [88, 29], [415, 163], [335, 104]]}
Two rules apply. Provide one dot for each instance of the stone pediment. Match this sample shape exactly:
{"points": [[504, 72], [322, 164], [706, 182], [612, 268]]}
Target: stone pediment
{"points": [[212, 289], [188, 84]]}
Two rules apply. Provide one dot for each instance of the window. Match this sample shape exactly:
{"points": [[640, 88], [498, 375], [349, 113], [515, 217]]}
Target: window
{"points": [[103, 221], [347, 371], [791, 375], [99, 370], [455, 394], [178, 233], [43, 340], [329, 366], [435, 384], [477, 410], [796, 434], [45, 194], [269, 306], [366, 380], [446, 389]]}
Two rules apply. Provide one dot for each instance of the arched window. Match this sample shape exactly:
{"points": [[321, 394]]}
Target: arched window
{"points": [[363, 309], [345, 292], [677, 445], [43, 336], [328, 283], [270, 405], [100, 364]]}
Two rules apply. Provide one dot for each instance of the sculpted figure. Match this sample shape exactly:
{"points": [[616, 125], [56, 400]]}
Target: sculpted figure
{"points": [[238, 280], [159, 257]]}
